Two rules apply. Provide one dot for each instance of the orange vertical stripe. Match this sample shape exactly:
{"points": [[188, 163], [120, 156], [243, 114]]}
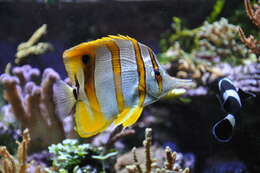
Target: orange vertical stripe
{"points": [[115, 52], [141, 72], [89, 71], [156, 67]]}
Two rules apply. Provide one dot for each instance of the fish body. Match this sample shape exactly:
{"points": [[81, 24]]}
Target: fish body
{"points": [[113, 78], [231, 100], [228, 96]]}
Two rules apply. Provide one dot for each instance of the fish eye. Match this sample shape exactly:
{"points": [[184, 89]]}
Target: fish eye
{"points": [[85, 59], [157, 72]]}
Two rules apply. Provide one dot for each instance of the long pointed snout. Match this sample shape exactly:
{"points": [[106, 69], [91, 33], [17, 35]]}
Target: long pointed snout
{"points": [[182, 83]]}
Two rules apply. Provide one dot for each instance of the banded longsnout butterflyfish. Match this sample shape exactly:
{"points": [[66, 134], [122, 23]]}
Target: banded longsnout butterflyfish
{"points": [[112, 78]]}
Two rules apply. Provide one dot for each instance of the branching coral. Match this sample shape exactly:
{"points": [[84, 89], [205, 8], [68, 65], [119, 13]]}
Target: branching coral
{"points": [[253, 15], [150, 165], [11, 164], [220, 39], [208, 46], [189, 66], [251, 42], [116, 135], [29, 48], [33, 105]]}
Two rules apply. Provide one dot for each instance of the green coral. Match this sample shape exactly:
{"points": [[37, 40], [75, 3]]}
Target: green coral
{"points": [[217, 40], [219, 4], [71, 156]]}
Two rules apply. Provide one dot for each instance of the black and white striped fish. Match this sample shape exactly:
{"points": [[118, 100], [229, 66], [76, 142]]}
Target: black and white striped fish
{"points": [[231, 100], [113, 79]]}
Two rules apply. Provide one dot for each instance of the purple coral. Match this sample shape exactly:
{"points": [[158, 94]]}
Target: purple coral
{"points": [[33, 104]]}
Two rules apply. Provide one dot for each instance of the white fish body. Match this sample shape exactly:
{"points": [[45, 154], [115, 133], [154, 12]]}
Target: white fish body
{"points": [[115, 77]]}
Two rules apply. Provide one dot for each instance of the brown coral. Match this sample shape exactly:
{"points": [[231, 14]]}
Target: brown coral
{"points": [[33, 105], [143, 160], [251, 42], [117, 134], [29, 48], [253, 15], [11, 164]]}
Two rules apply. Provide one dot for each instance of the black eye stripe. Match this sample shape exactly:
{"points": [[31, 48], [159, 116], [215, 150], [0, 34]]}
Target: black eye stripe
{"points": [[76, 81], [85, 59], [75, 93]]}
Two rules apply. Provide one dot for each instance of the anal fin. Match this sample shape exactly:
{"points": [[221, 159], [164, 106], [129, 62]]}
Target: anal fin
{"points": [[133, 117], [89, 123], [129, 116]]}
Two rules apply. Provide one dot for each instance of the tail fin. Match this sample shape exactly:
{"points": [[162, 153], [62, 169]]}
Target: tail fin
{"points": [[183, 83], [223, 129], [64, 98], [245, 95]]}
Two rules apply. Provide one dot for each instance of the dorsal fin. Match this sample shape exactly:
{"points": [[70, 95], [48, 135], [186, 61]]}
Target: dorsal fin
{"points": [[72, 56]]}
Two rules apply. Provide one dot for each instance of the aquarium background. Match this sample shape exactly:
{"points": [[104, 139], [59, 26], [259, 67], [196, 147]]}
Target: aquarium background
{"points": [[192, 39]]}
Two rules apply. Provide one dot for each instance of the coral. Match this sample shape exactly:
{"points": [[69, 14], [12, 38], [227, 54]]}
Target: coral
{"points": [[220, 39], [70, 156], [8, 136], [33, 105], [219, 4], [211, 47], [29, 48], [116, 135], [202, 49], [189, 66], [245, 77], [253, 15], [10, 164], [251, 42], [42, 158], [137, 164]]}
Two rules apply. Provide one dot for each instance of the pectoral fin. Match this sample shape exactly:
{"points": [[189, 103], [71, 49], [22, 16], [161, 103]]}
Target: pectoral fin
{"points": [[89, 123]]}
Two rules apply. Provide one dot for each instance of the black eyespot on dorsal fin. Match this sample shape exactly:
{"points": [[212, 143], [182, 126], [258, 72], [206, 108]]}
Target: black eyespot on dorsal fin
{"points": [[85, 59]]}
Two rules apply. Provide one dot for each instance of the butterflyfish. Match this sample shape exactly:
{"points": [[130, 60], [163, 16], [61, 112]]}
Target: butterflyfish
{"points": [[112, 78], [231, 100]]}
